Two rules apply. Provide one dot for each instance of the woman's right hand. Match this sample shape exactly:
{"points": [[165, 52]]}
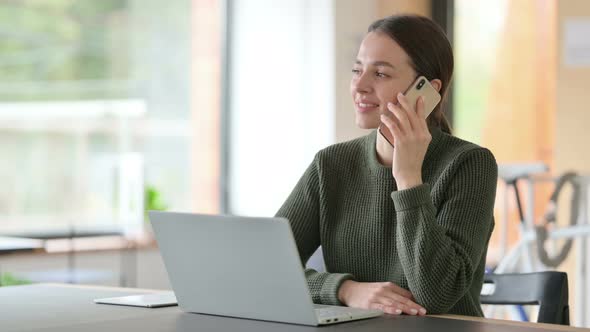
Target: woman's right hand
{"points": [[385, 296]]}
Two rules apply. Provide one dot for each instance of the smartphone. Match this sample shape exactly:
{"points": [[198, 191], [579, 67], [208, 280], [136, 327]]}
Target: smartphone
{"points": [[420, 87]]}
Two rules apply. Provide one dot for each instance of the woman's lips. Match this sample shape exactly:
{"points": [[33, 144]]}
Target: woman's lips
{"points": [[366, 107]]}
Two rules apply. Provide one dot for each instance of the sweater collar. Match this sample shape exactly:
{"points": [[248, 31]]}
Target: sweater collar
{"points": [[380, 170]]}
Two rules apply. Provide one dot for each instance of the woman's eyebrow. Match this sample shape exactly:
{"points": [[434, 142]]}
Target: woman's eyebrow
{"points": [[376, 63]]}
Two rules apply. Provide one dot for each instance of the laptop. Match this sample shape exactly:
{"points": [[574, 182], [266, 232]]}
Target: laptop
{"points": [[240, 267]]}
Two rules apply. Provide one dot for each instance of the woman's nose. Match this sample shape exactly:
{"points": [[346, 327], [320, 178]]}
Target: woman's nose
{"points": [[362, 84]]}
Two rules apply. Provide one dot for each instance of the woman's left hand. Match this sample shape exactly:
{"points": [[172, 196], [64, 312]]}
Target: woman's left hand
{"points": [[411, 139]]}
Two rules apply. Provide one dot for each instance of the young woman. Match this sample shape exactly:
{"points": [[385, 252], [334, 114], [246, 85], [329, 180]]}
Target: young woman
{"points": [[403, 228]]}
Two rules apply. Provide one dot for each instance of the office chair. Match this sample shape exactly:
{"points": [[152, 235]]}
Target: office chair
{"points": [[547, 289]]}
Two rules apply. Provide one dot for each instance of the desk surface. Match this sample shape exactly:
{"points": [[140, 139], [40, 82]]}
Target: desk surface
{"points": [[52, 307]]}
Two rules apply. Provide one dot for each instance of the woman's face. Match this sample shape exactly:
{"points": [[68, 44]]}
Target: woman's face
{"points": [[381, 70]]}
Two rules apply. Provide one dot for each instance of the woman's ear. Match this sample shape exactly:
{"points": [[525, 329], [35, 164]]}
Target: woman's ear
{"points": [[437, 84]]}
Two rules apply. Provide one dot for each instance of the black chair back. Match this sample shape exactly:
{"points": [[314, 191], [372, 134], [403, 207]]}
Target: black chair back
{"points": [[547, 289]]}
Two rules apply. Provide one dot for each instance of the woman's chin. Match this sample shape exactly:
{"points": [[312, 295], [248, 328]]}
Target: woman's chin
{"points": [[367, 125]]}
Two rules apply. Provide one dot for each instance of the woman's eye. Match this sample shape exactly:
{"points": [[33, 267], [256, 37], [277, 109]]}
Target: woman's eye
{"points": [[379, 74], [356, 71]]}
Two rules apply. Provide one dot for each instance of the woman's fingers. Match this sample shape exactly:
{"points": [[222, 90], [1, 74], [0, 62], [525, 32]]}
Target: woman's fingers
{"points": [[396, 307], [400, 114], [384, 296], [388, 309], [415, 114], [391, 124], [410, 111], [404, 303], [395, 297], [421, 112], [408, 306]]}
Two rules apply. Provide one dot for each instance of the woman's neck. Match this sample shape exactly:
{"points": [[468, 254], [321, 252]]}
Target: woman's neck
{"points": [[384, 150]]}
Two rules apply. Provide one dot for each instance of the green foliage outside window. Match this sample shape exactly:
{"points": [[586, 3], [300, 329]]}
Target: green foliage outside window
{"points": [[63, 49]]}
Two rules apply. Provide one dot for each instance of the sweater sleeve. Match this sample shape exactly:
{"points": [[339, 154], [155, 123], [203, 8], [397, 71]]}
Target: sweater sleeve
{"points": [[440, 250], [302, 209]]}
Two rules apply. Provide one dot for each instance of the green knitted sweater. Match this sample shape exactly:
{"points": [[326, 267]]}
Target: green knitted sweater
{"points": [[431, 239]]}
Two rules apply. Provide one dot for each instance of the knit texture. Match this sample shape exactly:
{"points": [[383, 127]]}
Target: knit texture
{"points": [[431, 239]]}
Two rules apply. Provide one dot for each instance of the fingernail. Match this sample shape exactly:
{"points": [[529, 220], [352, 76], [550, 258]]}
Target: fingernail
{"points": [[398, 311], [413, 311], [423, 311], [389, 104]]}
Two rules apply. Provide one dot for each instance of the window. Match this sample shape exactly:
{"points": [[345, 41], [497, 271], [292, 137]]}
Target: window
{"points": [[94, 107], [281, 107]]}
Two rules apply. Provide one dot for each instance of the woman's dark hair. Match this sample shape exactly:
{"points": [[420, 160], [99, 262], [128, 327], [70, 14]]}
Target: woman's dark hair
{"points": [[429, 50]]}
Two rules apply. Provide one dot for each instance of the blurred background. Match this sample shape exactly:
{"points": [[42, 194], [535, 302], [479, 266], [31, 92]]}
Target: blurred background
{"points": [[111, 108]]}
